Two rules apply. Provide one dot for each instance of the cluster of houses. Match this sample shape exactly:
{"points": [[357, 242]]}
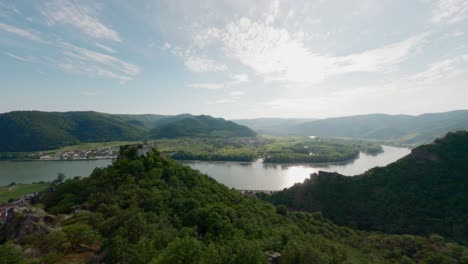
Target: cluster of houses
{"points": [[91, 154]]}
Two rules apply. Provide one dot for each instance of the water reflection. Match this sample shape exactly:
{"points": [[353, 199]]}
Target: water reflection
{"points": [[240, 175], [263, 176]]}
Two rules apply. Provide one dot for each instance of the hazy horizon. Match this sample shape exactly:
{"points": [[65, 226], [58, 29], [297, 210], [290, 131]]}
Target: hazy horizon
{"points": [[259, 117], [235, 59]]}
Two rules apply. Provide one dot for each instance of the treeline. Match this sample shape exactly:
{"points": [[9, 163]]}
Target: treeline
{"points": [[183, 155], [423, 193], [154, 210], [321, 150]]}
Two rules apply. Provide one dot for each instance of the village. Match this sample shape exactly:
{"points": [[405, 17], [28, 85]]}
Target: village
{"points": [[89, 154]]}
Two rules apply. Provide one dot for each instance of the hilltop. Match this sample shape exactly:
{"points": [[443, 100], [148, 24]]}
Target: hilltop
{"points": [[150, 209], [198, 126], [422, 193]]}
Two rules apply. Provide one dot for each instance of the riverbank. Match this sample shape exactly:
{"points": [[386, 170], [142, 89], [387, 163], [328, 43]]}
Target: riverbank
{"points": [[273, 149]]}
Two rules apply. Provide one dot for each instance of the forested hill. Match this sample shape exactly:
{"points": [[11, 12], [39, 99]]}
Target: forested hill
{"points": [[404, 129], [34, 130], [150, 209], [200, 126], [422, 193]]}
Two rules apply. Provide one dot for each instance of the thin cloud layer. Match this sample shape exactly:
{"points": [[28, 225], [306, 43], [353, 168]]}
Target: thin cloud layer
{"points": [[78, 16], [450, 11], [200, 64], [20, 32]]}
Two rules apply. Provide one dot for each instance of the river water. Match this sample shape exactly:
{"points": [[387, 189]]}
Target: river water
{"points": [[239, 175]]}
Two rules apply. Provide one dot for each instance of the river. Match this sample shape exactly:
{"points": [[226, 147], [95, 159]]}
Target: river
{"points": [[240, 175]]}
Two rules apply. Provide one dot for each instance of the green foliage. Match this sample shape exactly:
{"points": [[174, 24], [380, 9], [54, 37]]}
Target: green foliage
{"points": [[33, 130], [215, 149], [10, 255], [199, 126], [423, 193], [80, 236], [154, 210], [24, 131], [306, 150], [18, 190], [186, 250]]}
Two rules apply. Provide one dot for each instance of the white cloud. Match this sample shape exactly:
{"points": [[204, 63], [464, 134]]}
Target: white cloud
{"points": [[279, 55], [25, 59], [236, 93], [233, 97], [79, 16], [210, 86], [465, 57], [199, 64], [81, 60], [166, 46], [20, 32], [450, 11], [457, 34], [272, 13], [223, 101], [438, 71], [239, 78], [380, 58], [106, 48], [206, 36]]}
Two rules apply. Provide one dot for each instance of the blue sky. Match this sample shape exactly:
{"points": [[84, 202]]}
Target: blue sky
{"points": [[235, 59]]}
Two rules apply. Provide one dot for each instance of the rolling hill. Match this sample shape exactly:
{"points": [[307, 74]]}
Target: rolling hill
{"points": [[402, 129], [422, 193], [199, 126], [35, 131]]}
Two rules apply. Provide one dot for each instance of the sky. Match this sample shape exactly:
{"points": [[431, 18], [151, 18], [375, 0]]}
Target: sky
{"points": [[235, 59]]}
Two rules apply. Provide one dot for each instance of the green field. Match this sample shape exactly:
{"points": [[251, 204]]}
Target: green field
{"points": [[276, 149], [18, 190]]}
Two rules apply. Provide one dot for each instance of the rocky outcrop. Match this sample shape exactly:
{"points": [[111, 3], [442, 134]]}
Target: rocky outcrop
{"points": [[22, 221]]}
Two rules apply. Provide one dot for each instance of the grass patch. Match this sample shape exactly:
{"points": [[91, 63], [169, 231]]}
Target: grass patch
{"points": [[18, 190]]}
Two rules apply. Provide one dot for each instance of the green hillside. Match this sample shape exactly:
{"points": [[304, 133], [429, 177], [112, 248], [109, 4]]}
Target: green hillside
{"points": [[36, 131], [33, 130], [198, 126], [404, 129], [422, 193], [154, 210]]}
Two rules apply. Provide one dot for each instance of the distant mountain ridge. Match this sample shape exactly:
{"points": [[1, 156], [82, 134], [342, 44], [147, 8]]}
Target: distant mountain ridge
{"points": [[273, 126], [397, 129], [404, 129], [35, 130], [422, 193]]}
